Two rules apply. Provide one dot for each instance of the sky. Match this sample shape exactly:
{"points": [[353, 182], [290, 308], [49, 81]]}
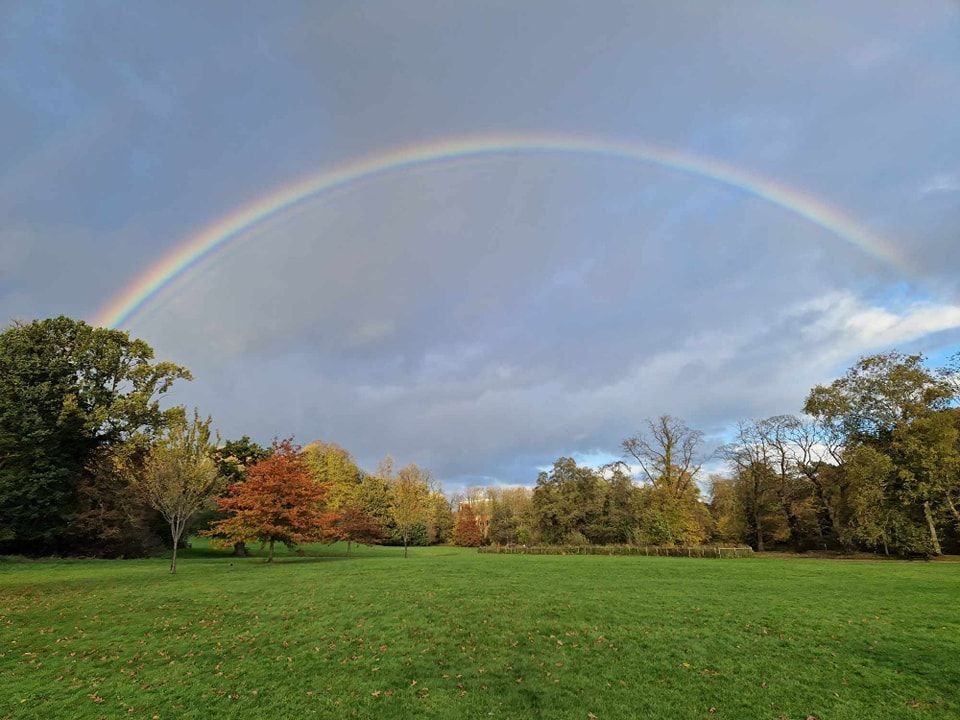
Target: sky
{"points": [[483, 315]]}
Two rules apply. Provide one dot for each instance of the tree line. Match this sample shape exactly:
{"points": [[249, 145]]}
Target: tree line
{"points": [[91, 464], [872, 464]]}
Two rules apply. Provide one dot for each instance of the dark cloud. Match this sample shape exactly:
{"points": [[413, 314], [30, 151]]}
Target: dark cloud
{"points": [[484, 316]]}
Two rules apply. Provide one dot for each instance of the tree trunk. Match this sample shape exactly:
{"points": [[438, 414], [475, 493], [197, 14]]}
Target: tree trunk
{"points": [[953, 508], [404, 545], [270, 556], [933, 529], [348, 546], [756, 522], [793, 523], [828, 522], [173, 558], [240, 550]]}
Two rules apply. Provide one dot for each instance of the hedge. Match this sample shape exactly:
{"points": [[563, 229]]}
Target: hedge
{"points": [[700, 551]]}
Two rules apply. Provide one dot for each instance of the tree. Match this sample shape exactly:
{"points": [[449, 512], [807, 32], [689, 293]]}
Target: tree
{"points": [[356, 526], [409, 491], [279, 502], [879, 393], [926, 454], [180, 475], [618, 518], [511, 515], [466, 531], [567, 501], [868, 476], [235, 456], [111, 518], [233, 459], [373, 499], [439, 522], [69, 393], [894, 405], [726, 511], [334, 467], [667, 453], [767, 481], [504, 525]]}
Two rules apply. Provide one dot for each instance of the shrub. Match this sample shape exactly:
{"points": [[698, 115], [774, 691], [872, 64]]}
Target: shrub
{"points": [[700, 551]]}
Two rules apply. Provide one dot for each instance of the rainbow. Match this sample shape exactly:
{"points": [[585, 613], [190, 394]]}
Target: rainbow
{"points": [[202, 245]]}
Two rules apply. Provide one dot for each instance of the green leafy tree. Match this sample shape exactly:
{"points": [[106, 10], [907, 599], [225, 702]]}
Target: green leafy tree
{"points": [[373, 499], [897, 407], [440, 521], [409, 495], [618, 519], [729, 524], [235, 456], [334, 467], [504, 524], [879, 393], [567, 500], [69, 392]]}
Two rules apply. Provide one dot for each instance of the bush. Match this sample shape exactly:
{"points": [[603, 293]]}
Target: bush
{"points": [[699, 551]]}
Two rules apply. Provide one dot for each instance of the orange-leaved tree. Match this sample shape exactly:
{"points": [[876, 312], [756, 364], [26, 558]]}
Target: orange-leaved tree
{"points": [[357, 526], [466, 532], [279, 502]]}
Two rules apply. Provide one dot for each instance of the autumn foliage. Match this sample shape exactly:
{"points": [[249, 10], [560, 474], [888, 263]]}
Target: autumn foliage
{"points": [[353, 525], [279, 502], [466, 532]]}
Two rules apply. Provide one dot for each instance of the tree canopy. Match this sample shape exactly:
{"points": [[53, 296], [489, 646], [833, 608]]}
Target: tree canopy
{"points": [[68, 392]]}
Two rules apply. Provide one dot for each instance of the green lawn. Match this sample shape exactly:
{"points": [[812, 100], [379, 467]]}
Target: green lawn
{"points": [[449, 633]]}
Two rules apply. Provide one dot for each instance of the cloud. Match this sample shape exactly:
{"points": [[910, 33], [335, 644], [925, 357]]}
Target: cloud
{"points": [[484, 317], [941, 183]]}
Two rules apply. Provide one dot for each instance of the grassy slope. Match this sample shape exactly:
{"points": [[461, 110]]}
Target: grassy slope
{"points": [[449, 633]]}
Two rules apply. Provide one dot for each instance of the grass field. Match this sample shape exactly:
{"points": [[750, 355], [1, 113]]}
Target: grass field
{"points": [[449, 633]]}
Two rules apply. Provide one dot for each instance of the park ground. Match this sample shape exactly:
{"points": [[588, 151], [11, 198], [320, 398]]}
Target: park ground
{"points": [[449, 633]]}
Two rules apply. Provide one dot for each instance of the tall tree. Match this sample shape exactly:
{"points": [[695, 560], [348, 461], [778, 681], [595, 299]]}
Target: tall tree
{"points": [[68, 392], [567, 502], [373, 499], [180, 475], [768, 482], [511, 515], [233, 459], [879, 393], [466, 531], [409, 492], [235, 456], [667, 452], [621, 506], [279, 502], [728, 515], [895, 405], [440, 519], [333, 466]]}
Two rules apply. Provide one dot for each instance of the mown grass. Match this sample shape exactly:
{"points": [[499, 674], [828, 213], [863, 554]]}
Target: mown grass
{"points": [[450, 633]]}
